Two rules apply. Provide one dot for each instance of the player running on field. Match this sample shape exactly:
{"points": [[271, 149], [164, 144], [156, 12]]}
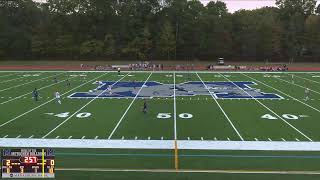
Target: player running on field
{"points": [[292, 78], [35, 94], [145, 107], [55, 80], [58, 97], [306, 94], [68, 82], [109, 89], [118, 71]]}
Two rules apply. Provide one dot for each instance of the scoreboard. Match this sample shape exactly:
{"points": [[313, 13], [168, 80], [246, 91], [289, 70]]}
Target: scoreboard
{"points": [[27, 163]]}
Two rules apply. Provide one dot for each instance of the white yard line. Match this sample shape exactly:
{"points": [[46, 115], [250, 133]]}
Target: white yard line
{"points": [[297, 85], [27, 112], [307, 79], [283, 93], [81, 108], [30, 82], [31, 91], [293, 127], [174, 106], [8, 75], [224, 113], [124, 114], [15, 79]]}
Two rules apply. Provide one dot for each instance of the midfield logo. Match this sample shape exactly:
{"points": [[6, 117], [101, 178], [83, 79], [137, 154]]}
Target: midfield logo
{"points": [[220, 90]]}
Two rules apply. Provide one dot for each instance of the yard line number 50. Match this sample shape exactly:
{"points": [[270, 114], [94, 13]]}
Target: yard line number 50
{"points": [[168, 115]]}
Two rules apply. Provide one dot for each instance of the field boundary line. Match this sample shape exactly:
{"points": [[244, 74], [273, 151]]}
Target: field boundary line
{"points": [[9, 80], [1, 90], [124, 114], [82, 108], [44, 87], [8, 75], [224, 113], [191, 171], [27, 112], [283, 93], [269, 109], [297, 85], [160, 144]]}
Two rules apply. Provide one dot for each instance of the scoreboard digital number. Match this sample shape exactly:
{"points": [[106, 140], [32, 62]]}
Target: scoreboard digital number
{"points": [[27, 163]]}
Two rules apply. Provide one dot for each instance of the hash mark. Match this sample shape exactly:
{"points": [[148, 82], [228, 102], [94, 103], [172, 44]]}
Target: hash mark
{"points": [[5, 136], [96, 137], [228, 139], [162, 138], [256, 139], [283, 139], [201, 138], [69, 137], [122, 137], [31, 136], [149, 138], [297, 139], [57, 137], [83, 137], [135, 138], [215, 139], [18, 136], [188, 138], [269, 139]]}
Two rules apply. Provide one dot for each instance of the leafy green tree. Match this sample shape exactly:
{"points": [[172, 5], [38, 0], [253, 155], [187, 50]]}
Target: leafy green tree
{"points": [[92, 48], [167, 41]]}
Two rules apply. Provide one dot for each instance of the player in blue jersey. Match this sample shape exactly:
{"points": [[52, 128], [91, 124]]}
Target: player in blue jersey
{"points": [[145, 107], [35, 94]]}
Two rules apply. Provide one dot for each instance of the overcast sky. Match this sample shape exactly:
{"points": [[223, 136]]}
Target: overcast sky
{"points": [[234, 5]]}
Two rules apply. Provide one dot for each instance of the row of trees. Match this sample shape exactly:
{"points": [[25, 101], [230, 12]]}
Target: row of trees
{"points": [[157, 29]]}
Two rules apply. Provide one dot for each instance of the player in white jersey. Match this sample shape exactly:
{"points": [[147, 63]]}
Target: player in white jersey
{"points": [[109, 89], [292, 78], [306, 94], [58, 97]]}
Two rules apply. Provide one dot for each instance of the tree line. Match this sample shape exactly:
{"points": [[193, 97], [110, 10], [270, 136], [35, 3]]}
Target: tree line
{"points": [[158, 30]]}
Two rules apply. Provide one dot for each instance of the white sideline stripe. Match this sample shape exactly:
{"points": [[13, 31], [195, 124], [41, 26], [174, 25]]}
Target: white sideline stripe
{"points": [[190, 171], [29, 82], [174, 106], [31, 91], [224, 113], [162, 144], [27, 112], [283, 93], [270, 110], [80, 109], [124, 114], [297, 85]]}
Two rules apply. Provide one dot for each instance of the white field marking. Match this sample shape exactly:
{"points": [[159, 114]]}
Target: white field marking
{"points": [[96, 137], [201, 138], [149, 138], [57, 137], [5, 136], [215, 139], [18, 136], [161, 137], [297, 139], [224, 113], [27, 112], [135, 138], [12, 79], [83, 137], [308, 79], [256, 139], [284, 93], [31, 136], [228, 139], [174, 107], [31, 91], [270, 110], [124, 114], [122, 137], [283, 139], [269, 139], [160, 144], [28, 82], [69, 137], [81, 108], [298, 85], [190, 171], [8, 75]]}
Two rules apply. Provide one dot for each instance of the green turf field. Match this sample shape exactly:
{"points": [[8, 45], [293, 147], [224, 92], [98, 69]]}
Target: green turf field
{"points": [[189, 132]]}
